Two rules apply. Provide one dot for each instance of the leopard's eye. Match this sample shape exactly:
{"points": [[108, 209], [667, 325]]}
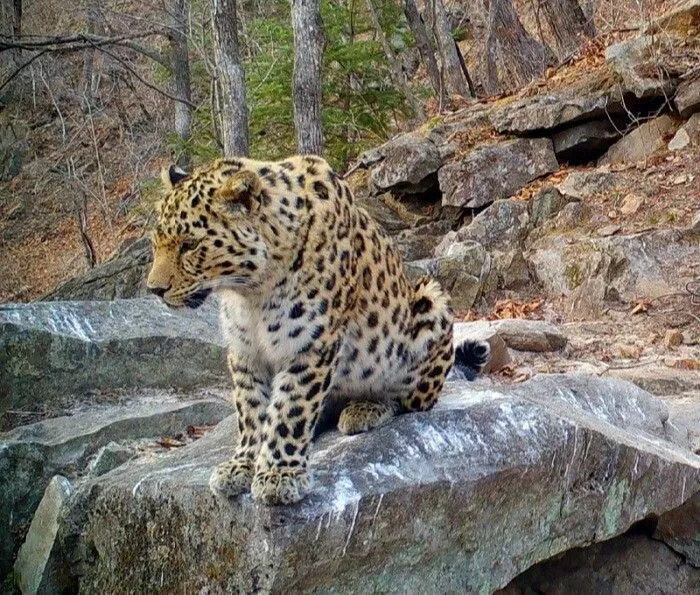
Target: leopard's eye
{"points": [[189, 245]]}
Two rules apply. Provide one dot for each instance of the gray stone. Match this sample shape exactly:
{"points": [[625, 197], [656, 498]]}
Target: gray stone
{"points": [[687, 98], [518, 334], [642, 142], [461, 271], [36, 567], [419, 242], [408, 162], [570, 216], [587, 300], [545, 204], [54, 349], [688, 134], [648, 264], [581, 141], [660, 380], [122, 276], [583, 184], [634, 62], [497, 171], [630, 564], [462, 498], [391, 214], [31, 455], [505, 224], [680, 529], [110, 457]]}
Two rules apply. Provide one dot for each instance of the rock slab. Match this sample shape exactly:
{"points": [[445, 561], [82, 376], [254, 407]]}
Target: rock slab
{"points": [[496, 171], [460, 499], [55, 349]]}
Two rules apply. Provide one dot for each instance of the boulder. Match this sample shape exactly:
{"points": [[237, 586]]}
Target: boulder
{"points": [[545, 204], [31, 455], [582, 142], [461, 271], [419, 242], [634, 61], [408, 164], [518, 334], [391, 214], [688, 134], [504, 223], [687, 98], [56, 349], [122, 276], [497, 171], [582, 184], [462, 498], [642, 142], [647, 264]]}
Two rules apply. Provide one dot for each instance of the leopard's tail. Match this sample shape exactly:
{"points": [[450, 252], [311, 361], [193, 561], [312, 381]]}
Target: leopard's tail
{"points": [[470, 358], [431, 314]]}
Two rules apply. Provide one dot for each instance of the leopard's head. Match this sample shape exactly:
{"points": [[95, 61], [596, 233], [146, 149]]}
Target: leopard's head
{"points": [[208, 235]]}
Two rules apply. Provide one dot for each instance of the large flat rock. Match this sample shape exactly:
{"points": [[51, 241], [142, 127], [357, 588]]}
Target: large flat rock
{"points": [[460, 499], [52, 349]]}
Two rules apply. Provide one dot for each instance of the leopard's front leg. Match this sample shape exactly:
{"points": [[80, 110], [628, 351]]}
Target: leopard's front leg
{"points": [[251, 397], [298, 392]]}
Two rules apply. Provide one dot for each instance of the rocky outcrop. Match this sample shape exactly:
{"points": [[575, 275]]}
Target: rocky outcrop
{"points": [[465, 497], [496, 171], [122, 276], [30, 455], [407, 164], [55, 349]]}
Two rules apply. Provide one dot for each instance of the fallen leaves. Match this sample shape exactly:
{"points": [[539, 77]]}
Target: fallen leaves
{"points": [[191, 434], [641, 306], [503, 309]]}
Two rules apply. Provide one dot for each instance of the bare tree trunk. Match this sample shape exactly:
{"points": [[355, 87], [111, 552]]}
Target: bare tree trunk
{"points": [[91, 16], [181, 76], [567, 24], [451, 65], [11, 27], [308, 56], [424, 44], [233, 111], [521, 56], [394, 66]]}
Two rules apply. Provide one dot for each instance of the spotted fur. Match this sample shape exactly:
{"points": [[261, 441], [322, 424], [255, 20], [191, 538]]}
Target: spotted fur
{"points": [[315, 305]]}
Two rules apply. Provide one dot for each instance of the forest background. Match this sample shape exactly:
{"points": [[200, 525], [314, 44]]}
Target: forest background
{"points": [[96, 97]]}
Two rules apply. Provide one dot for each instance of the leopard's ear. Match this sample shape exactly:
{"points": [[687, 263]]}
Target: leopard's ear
{"points": [[172, 176], [241, 189]]}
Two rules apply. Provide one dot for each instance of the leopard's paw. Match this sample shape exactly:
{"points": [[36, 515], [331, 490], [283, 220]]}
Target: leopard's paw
{"points": [[362, 416], [232, 477], [280, 486]]}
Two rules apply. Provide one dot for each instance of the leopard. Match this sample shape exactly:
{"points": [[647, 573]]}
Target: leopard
{"points": [[315, 305]]}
